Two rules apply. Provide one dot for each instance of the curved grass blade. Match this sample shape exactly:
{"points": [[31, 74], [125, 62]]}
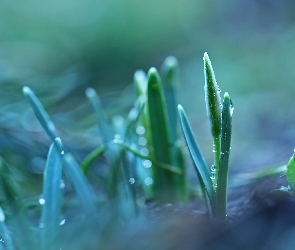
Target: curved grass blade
{"points": [[80, 184], [103, 126], [40, 113], [51, 210], [4, 232], [90, 158], [163, 180], [197, 157], [158, 164], [222, 179]]}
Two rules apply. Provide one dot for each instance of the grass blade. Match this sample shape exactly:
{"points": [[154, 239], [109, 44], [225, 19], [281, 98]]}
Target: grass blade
{"points": [[90, 158], [40, 113], [222, 179], [158, 164], [169, 72], [51, 210], [102, 122], [163, 180], [80, 184], [197, 157]]}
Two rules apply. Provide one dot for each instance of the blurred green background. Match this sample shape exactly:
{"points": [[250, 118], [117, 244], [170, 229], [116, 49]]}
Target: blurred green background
{"points": [[59, 48]]}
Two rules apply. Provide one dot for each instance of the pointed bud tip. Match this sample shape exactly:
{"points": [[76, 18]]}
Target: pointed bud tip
{"points": [[171, 62], [153, 75], [226, 95], [26, 90], [90, 92], [139, 75]]}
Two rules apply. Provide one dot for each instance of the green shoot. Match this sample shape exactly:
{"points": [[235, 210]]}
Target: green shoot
{"points": [[51, 213], [163, 180], [214, 184], [213, 105]]}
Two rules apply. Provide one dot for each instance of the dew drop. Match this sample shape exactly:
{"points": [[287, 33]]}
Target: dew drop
{"points": [[118, 120], [2, 215], [212, 176], [62, 152], [117, 137], [62, 222], [62, 184], [213, 168], [232, 108], [133, 114], [142, 141], [1, 240], [221, 155], [140, 130], [148, 181], [144, 151], [131, 181], [41, 200], [147, 163]]}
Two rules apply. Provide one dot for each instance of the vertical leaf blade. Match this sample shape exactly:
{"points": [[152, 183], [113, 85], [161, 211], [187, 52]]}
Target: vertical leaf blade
{"points": [[212, 98], [169, 72], [221, 196], [102, 122], [51, 210], [163, 180]]}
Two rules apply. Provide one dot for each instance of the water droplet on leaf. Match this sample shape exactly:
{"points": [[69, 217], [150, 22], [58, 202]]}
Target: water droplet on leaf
{"points": [[131, 181]]}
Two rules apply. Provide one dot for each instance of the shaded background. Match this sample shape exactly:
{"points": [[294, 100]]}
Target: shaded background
{"points": [[62, 47]]}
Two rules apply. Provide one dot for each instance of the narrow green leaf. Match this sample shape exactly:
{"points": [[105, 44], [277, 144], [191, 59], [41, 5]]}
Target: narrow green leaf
{"points": [[80, 184], [4, 232], [103, 126], [222, 179], [163, 179], [90, 158], [140, 83], [290, 173], [51, 210], [169, 72], [40, 113], [197, 157], [158, 164]]}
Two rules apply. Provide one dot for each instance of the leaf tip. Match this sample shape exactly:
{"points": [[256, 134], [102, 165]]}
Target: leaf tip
{"points": [[27, 90], [90, 92]]}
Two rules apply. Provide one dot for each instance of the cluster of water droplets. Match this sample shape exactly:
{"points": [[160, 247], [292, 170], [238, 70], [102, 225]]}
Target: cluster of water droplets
{"points": [[143, 150], [213, 172]]}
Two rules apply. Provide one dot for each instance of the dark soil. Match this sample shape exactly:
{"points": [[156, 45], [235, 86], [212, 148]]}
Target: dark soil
{"points": [[259, 217]]}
